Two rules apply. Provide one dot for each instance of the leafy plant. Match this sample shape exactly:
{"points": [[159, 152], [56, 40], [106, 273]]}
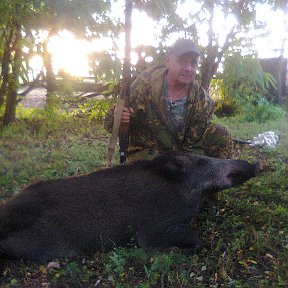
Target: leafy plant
{"points": [[95, 109], [262, 112], [243, 90], [160, 265], [116, 267]]}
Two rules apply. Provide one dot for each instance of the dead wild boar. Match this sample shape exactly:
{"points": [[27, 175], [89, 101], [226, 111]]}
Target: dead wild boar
{"points": [[79, 215]]}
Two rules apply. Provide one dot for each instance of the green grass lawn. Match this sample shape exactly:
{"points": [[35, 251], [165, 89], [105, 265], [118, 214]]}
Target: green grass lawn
{"points": [[245, 236]]}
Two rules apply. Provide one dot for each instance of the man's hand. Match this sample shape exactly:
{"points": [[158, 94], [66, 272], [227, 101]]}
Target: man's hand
{"points": [[127, 111]]}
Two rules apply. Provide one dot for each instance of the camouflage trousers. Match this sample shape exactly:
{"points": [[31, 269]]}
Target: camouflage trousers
{"points": [[216, 142]]}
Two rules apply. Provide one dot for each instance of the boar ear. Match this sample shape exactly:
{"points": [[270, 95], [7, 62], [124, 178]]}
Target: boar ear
{"points": [[171, 167]]}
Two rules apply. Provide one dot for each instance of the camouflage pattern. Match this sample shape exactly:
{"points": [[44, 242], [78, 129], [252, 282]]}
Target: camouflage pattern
{"points": [[151, 131], [174, 111], [217, 142]]}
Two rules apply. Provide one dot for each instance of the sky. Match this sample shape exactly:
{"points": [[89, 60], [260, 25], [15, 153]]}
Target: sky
{"points": [[65, 46], [266, 47], [270, 46]]}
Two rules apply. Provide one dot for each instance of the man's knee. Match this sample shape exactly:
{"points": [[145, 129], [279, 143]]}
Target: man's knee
{"points": [[218, 142], [148, 154]]}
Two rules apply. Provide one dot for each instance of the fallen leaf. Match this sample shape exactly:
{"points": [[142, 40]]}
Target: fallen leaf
{"points": [[53, 265]]}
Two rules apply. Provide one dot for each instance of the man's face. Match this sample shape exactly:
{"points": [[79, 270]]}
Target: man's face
{"points": [[183, 68]]}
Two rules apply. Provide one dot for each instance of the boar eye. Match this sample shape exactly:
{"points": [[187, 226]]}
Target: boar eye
{"points": [[201, 162]]}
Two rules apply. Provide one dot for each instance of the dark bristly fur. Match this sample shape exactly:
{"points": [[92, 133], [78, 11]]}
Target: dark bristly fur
{"points": [[83, 214]]}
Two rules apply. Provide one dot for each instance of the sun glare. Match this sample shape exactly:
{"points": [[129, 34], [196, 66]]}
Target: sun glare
{"points": [[144, 31], [71, 54], [273, 44], [37, 63]]}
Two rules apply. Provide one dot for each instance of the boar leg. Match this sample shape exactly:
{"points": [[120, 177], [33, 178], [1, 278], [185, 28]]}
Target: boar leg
{"points": [[32, 244], [181, 236]]}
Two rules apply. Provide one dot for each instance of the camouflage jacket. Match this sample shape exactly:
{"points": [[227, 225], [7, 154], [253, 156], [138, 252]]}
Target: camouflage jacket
{"points": [[150, 129]]}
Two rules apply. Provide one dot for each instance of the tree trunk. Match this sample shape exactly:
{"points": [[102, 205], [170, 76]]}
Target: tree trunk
{"points": [[5, 64], [214, 52], [10, 109], [209, 67], [50, 77], [11, 102]]}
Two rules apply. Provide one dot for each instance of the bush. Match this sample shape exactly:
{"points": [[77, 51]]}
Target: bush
{"points": [[243, 90], [262, 112]]}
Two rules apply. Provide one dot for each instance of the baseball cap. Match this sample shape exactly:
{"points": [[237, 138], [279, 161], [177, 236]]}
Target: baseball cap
{"points": [[183, 46]]}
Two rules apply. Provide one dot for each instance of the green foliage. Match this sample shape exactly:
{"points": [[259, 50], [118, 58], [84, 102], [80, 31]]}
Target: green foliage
{"points": [[15, 18], [2, 111], [49, 146], [248, 130], [126, 264], [243, 90], [116, 268], [72, 273], [29, 19], [160, 265], [108, 66], [262, 111], [96, 109], [244, 79]]}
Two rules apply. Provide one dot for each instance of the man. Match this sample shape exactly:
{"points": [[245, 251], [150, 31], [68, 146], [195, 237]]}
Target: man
{"points": [[169, 110]]}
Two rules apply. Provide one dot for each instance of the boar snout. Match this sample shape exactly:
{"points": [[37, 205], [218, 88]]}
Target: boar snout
{"points": [[243, 172]]}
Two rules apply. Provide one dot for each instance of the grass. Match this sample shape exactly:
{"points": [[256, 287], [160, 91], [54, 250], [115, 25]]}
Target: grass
{"points": [[245, 236]]}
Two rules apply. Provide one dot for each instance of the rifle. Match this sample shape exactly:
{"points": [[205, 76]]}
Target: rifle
{"points": [[123, 100]]}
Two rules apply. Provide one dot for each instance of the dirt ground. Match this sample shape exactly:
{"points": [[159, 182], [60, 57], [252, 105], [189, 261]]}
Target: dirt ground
{"points": [[35, 98]]}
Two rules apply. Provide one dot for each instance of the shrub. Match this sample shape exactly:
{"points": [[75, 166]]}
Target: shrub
{"points": [[244, 90], [262, 112]]}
